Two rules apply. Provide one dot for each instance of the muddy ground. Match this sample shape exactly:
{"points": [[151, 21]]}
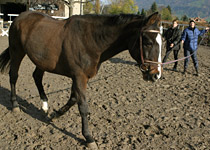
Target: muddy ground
{"points": [[127, 112]]}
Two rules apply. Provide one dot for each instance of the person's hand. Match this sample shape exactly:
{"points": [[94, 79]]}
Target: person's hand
{"points": [[207, 28], [182, 41], [172, 45]]}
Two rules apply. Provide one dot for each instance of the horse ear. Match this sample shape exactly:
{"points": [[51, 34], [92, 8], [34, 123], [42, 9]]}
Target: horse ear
{"points": [[155, 18]]}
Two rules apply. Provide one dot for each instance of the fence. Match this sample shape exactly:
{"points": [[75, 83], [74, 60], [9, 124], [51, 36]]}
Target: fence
{"points": [[4, 26]]}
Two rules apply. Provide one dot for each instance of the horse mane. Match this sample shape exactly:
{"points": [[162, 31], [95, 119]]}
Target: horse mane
{"points": [[98, 25], [108, 19], [122, 18]]}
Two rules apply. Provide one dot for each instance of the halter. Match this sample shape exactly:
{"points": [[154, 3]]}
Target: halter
{"points": [[144, 61]]}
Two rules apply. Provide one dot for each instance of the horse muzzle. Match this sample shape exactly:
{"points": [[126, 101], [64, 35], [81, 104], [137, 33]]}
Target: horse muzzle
{"points": [[150, 72]]}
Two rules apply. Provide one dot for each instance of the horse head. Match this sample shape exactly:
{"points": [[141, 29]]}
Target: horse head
{"points": [[146, 49]]}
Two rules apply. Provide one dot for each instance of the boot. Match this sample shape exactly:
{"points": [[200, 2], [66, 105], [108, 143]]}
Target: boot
{"points": [[185, 70], [196, 69], [174, 69]]}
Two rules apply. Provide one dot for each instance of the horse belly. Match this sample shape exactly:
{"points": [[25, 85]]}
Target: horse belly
{"points": [[43, 55], [46, 64]]}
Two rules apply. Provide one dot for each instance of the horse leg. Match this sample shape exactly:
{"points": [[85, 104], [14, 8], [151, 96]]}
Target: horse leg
{"points": [[80, 89], [73, 100], [66, 107], [84, 112], [38, 76], [13, 73], [78, 96]]}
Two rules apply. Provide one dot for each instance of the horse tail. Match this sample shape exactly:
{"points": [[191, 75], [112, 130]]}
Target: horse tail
{"points": [[5, 60]]}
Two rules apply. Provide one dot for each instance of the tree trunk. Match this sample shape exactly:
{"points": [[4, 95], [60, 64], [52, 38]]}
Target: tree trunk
{"points": [[97, 6]]}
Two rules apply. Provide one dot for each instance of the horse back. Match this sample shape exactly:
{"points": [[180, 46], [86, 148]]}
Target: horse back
{"points": [[39, 36], [54, 46]]}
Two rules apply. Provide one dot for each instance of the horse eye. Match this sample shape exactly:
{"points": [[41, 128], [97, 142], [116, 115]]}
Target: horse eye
{"points": [[148, 44]]}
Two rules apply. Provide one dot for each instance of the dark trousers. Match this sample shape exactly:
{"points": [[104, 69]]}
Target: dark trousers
{"points": [[175, 56], [194, 58]]}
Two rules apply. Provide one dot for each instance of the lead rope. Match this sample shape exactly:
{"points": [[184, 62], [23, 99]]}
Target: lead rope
{"points": [[169, 62], [173, 61], [186, 56]]}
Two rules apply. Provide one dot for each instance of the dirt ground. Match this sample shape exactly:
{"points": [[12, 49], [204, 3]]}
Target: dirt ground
{"points": [[127, 113]]}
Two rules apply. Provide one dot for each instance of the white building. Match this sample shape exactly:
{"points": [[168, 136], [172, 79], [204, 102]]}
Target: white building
{"points": [[77, 8], [63, 9]]}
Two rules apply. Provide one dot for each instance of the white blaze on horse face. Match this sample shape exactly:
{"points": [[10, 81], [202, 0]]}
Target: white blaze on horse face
{"points": [[159, 41], [45, 106]]}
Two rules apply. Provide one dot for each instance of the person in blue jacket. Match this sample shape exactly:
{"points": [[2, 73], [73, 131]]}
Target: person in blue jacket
{"points": [[189, 40]]}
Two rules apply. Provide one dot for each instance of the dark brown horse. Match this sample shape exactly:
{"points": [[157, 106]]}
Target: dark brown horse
{"points": [[76, 47]]}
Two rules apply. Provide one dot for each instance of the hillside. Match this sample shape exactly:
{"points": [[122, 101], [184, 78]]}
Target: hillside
{"points": [[191, 8]]}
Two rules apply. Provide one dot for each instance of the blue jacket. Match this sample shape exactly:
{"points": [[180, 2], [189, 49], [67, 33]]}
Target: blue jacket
{"points": [[190, 38]]}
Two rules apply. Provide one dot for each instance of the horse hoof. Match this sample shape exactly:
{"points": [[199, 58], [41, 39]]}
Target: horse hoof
{"points": [[54, 115], [16, 109], [45, 113], [92, 146]]}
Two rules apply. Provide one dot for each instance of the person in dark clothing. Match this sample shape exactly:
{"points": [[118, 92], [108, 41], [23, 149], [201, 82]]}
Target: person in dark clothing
{"points": [[173, 37], [189, 40]]}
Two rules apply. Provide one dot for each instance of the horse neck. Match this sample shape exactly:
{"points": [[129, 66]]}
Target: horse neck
{"points": [[117, 42]]}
